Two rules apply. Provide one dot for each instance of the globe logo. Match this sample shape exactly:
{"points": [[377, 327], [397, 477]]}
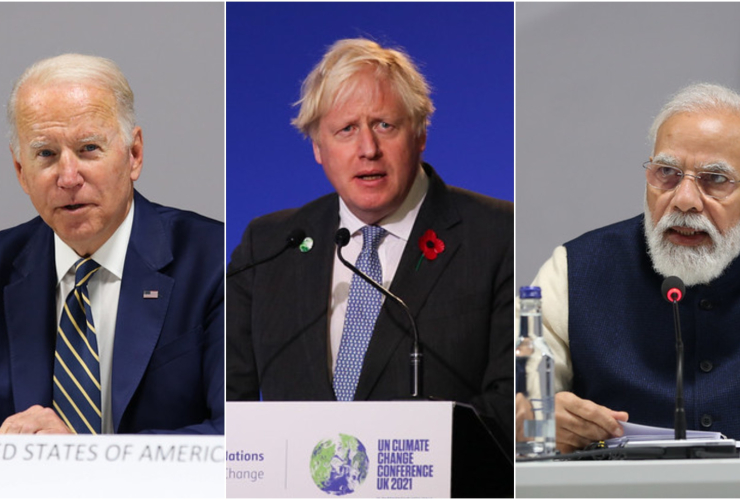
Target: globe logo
{"points": [[339, 466]]}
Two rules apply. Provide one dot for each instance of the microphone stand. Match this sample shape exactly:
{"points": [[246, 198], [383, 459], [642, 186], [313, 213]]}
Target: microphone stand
{"points": [[679, 421], [672, 290], [292, 241], [417, 357]]}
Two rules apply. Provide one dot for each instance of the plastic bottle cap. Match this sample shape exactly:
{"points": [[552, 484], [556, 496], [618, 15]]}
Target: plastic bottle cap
{"points": [[530, 292]]}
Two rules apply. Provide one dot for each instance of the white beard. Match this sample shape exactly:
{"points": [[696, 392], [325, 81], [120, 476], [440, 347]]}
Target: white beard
{"points": [[694, 265]]}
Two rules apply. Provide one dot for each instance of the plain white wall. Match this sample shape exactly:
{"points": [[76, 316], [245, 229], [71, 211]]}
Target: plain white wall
{"points": [[590, 78], [173, 56]]}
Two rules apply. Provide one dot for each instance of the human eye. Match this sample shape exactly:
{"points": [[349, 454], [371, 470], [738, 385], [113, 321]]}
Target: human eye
{"points": [[383, 125], [666, 172], [346, 130], [89, 148], [714, 179], [45, 153]]}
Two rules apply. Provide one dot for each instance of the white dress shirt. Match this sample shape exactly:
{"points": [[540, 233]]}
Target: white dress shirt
{"points": [[104, 289], [399, 225]]}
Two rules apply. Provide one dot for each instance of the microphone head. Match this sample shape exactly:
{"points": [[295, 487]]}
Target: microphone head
{"points": [[296, 237], [673, 289], [342, 237]]}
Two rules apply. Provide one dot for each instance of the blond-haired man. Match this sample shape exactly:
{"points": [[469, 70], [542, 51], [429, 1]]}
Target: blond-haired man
{"points": [[298, 329]]}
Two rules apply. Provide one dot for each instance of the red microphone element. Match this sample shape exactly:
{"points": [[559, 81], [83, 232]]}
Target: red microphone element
{"points": [[673, 289]]}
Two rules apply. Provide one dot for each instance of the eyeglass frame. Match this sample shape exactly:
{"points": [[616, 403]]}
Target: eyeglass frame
{"points": [[696, 177]]}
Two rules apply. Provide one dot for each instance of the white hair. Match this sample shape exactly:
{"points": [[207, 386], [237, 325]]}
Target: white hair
{"points": [[694, 265], [700, 97], [77, 68]]}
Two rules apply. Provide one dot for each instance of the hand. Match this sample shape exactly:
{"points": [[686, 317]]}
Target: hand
{"points": [[580, 422], [35, 420], [523, 412]]}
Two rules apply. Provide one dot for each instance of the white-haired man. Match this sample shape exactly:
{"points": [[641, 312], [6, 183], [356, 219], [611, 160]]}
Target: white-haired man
{"points": [[604, 315], [112, 305], [300, 327]]}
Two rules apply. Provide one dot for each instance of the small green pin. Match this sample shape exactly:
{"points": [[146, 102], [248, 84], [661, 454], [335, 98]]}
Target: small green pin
{"points": [[306, 245]]}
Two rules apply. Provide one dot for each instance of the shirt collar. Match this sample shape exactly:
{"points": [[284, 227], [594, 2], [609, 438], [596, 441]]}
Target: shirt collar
{"points": [[111, 256], [399, 223]]}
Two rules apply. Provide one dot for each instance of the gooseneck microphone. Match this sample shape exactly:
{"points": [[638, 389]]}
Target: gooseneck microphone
{"points": [[295, 238], [673, 291], [342, 238]]}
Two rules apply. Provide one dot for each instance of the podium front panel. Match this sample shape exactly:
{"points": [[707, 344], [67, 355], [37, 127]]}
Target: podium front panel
{"points": [[330, 449]]}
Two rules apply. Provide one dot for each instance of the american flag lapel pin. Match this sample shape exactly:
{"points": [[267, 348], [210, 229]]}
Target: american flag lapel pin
{"points": [[151, 294]]}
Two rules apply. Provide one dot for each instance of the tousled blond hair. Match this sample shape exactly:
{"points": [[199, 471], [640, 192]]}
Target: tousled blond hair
{"points": [[327, 83]]}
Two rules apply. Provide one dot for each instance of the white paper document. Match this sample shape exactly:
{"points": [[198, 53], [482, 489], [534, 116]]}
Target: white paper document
{"points": [[637, 432]]}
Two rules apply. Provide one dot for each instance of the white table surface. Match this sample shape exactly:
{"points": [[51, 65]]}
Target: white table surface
{"points": [[708, 478]]}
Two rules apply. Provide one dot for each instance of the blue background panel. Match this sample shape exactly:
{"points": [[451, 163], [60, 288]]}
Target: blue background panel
{"points": [[465, 50]]}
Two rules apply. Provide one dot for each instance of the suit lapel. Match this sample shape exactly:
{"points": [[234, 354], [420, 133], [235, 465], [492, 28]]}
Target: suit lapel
{"points": [[140, 320], [411, 285], [30, 308], [314, 282]]}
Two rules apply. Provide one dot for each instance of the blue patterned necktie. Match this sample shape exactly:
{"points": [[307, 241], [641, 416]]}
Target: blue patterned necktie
{"points": [[76, 364], [363, 306]]}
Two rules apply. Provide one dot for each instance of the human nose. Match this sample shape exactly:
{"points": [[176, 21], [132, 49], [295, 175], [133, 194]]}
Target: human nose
{"points": [[687, 197], [369, 147], [68, 171]]}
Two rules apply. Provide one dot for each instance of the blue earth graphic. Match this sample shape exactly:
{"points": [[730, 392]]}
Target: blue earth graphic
{"points": [[339, 465]]}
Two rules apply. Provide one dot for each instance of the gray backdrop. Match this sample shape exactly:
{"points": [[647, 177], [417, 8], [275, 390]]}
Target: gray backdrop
{"points": [[173, 57], [590, 78]]}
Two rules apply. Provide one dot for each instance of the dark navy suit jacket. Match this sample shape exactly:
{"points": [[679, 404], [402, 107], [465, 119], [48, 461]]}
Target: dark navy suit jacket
{"points": [[168, 351], [462, 302]]}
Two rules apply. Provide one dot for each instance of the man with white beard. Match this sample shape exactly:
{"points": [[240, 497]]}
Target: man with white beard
{"points": [[603, 314]]}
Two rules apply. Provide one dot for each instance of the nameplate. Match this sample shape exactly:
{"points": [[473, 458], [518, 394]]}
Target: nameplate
{"points": [[329, 449], [111, 466]]}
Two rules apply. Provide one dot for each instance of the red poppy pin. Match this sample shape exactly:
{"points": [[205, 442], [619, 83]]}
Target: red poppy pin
{"points": [[430, 246]]}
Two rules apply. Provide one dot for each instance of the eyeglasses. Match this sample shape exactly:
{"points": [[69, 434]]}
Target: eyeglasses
{"points": [[711, 184]]}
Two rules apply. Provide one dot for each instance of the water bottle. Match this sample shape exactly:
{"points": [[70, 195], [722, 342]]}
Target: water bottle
{"points": [[532, 352]]}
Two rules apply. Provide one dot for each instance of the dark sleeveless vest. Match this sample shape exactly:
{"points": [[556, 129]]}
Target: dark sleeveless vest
{"points": [[622, 340]]}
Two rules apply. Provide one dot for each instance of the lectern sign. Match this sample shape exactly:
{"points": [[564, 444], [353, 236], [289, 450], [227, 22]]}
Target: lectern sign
{"points": [[322, 450]]}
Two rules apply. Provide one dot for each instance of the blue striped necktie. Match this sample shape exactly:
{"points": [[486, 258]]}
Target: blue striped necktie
{"points": [[363, 307], [76, 364]]}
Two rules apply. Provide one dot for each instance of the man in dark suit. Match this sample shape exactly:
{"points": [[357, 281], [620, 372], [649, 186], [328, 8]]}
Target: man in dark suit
{"points": [[292, 327], [146, 354]]}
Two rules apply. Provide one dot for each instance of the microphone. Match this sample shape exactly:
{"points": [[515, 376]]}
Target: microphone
{"points": [[295, 238], [341, 239], [673, 291]]}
